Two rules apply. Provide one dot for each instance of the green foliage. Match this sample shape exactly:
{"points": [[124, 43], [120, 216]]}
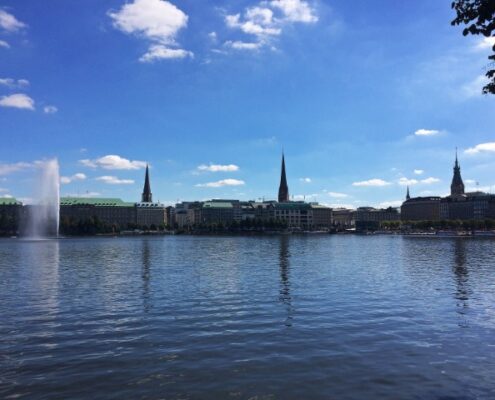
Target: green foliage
{"points": [[479, 16]]}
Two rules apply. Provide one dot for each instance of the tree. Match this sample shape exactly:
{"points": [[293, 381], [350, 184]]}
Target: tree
{"points": [[479, 16]]}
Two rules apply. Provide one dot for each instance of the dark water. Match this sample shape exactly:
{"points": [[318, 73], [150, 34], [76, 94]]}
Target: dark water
{"points": [[321, 317]]}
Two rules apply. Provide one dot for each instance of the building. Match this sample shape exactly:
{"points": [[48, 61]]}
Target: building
{"points": [[369, 218], [149, 214], [10, 215], [296, 214], [420, 208], [343, 218], [322, 216], [465, 206], [110, 211], [217, 212], [283, 189]]}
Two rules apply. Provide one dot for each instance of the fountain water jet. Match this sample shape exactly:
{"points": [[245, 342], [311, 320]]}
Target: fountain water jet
{"points": [[44, 216]]}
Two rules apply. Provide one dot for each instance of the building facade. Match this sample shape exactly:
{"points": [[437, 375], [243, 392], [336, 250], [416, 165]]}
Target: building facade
{"points": [[10, 215], [420, 209], [369, 218]]}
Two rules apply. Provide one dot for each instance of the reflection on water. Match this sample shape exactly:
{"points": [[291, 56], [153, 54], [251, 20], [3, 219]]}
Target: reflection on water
{"points": [[284, 277], [283, 317]]}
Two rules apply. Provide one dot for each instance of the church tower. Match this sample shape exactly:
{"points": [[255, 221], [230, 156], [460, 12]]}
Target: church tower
{"points": [[147, 196], [457, 186], [408, 196], [283, 189]]}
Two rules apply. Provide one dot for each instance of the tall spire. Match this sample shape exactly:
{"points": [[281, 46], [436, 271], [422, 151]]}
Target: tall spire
{"points": [[408, 196], [147, 196], [457, 186], [283, 189]]}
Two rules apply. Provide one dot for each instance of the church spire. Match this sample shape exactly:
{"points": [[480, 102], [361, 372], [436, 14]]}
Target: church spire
{"points": [[283, 190], [147, 196], [408, 196], [457, 186]]}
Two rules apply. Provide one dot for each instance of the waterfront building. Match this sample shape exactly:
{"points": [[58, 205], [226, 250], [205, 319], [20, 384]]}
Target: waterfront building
{"points": [[296, 214], [217, 212], [107, 210], [343, 218], [466, 206], [149, 214], [369, 218], [283, 189], [322, 216], [10, 215], [420, 208]]}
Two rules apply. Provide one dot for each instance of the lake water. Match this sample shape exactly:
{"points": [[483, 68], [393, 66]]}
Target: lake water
{"points": [[283, 317]]}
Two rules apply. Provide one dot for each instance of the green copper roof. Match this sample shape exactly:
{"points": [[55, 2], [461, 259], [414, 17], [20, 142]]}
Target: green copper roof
{"points": [[91, 201], [292, 206], [9, 201]]}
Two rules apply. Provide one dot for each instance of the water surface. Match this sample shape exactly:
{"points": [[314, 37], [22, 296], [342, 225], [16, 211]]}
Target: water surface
{"points": [[301, 317]]}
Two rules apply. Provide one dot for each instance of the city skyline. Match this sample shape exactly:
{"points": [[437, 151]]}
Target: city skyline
{"points": [[210, 104]]}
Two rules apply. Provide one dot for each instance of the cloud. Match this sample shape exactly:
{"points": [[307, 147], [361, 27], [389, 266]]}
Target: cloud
{"points": [[295, 10], [337, 195], [221, 183], [426, 132], [4, 44], [218, 168], [474, 87], [430, 181], [50, 109], [6, 169], [407, 182], [372, 183], [76, 177], [85, 194], [486, 43], [6, 196], [159, 21], [305, 180], [267, 20], [481, 148], [113, 180], [113, 162], [10, 23], [418, 172], [12, 83], [17, 100], [239, 45], [391, 203]]}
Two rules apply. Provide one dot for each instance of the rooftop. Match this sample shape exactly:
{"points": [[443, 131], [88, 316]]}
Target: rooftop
{"points": [[9, 201], [93, 201], [217, 204]]}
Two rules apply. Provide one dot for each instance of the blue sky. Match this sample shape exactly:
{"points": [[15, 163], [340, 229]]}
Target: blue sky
{"points": [[364, 98]]}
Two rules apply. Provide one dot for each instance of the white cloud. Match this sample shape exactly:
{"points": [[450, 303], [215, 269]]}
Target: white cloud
{"points": [[10, 23], [391, 203], [213, 36], [481, 148], [337, 195], [4, 44], [18, 100], [85, 194], [474, 88], [113, 162], [221, 183], [372, 182], [12, 83], [218, 168], [407, 182], [426, 132], [305, 180], [161, 52], [486, 43], [430, 181], [50, 109], [76, 177], [113, 180], [296, 10], [267, 20], [419, 172], [159, 21], [6, 169], [239, 45], [6, 196]]}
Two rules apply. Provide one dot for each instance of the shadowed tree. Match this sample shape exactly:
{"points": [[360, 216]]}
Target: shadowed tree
{"points": [[479, 17]]}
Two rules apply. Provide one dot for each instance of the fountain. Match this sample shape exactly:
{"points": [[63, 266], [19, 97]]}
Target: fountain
{"points": [[44, 216]]}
